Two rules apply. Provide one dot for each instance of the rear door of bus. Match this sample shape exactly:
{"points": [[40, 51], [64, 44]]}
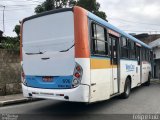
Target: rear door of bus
{"points": [[114, 42]]}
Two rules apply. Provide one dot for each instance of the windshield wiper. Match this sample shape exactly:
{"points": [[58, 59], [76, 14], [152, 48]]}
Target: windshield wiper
{"points": [[35, 53], [67, 49]]}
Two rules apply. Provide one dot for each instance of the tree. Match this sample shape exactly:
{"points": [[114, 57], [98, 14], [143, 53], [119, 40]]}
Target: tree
{"points": [[10, 43], [54, 4], [17, 30], [91, 5]]}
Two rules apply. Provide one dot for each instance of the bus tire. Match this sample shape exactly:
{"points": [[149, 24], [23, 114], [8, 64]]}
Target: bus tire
{"points": [[148, 81], [127, 89]]}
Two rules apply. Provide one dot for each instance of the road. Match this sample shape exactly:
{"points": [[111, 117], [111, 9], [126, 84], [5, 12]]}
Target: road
{"points": [[143, 99]]}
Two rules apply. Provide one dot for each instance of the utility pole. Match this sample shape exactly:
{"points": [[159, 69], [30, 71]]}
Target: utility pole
{"points": [[3, 17]]}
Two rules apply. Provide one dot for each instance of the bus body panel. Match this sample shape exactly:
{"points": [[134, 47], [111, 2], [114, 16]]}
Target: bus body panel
{"points": [[101, 73], [79, 94], [146, 69], [42, 65], [132, 69], [85, 63], [82, 48]]}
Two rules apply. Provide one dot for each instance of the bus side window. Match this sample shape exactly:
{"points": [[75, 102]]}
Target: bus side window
{"points": [[99, 40], [132, 50], [110, 47], [124, 48], [148, 54], [151, 57], [144, 53], [138, 54]]}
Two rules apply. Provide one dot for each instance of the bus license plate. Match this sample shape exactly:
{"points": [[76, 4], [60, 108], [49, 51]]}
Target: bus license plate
{"points": [[47, 79]]}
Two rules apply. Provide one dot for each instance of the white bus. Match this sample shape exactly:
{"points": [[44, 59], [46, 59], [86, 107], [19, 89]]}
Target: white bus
{"points": [[71, 54]]}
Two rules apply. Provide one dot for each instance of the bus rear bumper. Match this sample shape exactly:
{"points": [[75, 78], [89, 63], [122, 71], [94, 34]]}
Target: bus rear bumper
{"points": [[79, 94]]}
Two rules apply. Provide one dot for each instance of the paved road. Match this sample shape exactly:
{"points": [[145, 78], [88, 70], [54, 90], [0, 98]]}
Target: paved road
{"points": [[142, 100]]}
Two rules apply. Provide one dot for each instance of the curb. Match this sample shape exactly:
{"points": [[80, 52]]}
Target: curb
{"points": [[158, 81], [16, 101]]}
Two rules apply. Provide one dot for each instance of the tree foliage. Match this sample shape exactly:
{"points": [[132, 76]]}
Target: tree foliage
{"points": [[91, 5], [10, 43], [17, 30], [54, 4]]}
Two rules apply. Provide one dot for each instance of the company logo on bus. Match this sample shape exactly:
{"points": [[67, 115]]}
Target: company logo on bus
{"points": [[130, 67]]}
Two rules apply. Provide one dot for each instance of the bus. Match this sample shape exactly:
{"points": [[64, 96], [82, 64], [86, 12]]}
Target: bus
{"points": [[70, 54]]}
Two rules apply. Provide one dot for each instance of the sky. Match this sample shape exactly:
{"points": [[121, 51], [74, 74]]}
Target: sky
{"points": [[131, 16]]}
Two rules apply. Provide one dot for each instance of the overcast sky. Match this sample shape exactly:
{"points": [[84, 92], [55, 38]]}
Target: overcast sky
{"points": [[132, 16]]}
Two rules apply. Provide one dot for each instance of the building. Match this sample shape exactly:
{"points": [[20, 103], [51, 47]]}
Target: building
{"points": [[147, 38], [156, 51]]}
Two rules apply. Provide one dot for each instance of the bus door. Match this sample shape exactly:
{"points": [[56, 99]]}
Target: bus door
{"points": [[144, 72], [139, 69], [114, 42]]}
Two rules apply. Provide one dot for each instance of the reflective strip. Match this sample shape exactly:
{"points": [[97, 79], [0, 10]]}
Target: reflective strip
{"points": [[101, 64]]}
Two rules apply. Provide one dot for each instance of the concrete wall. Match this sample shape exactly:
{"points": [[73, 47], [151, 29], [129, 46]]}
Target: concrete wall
{"points": [[9, 72]]}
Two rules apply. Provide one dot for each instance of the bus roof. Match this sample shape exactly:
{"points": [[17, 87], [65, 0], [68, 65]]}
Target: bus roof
{"points": [[108, 25]]}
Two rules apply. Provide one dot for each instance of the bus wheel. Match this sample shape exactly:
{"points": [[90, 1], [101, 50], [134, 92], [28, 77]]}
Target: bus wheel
{"points": [[127, 89], [149, 81]]}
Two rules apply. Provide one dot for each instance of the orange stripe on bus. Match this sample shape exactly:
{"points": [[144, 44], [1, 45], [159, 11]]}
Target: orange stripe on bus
{"points": [[81, 33], [21, 28], [101, 64]]}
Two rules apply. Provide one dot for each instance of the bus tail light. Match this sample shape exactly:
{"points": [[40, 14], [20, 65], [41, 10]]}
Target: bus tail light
{"points": [[77, 75], [23, 79]]}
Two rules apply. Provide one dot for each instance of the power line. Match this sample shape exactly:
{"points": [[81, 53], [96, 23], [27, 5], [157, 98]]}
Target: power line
{"points": [[3, 17], [16, 9], [142, 30], [21, 1], [20, 5], [34, 1], [9, 20], [136, 22]]}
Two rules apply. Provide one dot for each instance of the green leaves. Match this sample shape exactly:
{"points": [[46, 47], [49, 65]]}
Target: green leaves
{"points": [[54, 4], [91, 5], [10, 43], [17, 30]]}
